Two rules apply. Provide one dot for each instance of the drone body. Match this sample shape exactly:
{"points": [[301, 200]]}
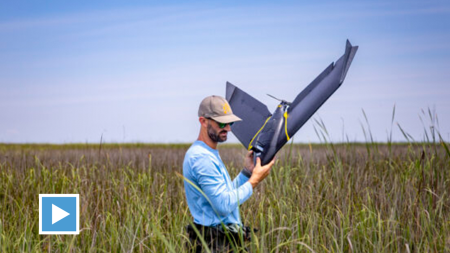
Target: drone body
{"points": [[266, 133]]}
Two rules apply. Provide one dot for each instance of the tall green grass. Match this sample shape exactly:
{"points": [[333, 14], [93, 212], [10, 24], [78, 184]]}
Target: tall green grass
{"points": [[330, 197], [318, 198]]}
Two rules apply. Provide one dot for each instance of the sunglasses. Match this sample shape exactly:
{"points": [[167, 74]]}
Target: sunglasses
{"points": [[222, 125]]}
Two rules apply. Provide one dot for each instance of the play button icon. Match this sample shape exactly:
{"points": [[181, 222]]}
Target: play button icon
{"points": [[58, 214]]}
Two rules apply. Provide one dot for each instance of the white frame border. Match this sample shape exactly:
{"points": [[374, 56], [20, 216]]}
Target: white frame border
{"points": [[77, 196]]}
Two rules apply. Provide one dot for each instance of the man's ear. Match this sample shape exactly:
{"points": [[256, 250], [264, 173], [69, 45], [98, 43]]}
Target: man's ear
{"points": [[203, 121]]}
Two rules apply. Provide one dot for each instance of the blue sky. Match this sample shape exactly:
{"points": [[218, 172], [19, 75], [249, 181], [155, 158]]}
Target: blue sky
{"points": [[136, 71]]}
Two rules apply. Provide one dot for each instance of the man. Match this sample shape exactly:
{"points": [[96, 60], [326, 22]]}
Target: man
{"points": [[212, 197]]}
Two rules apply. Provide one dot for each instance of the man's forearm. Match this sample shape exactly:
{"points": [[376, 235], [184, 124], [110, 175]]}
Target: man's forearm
{"points": [[241, 179], [226, 201]]}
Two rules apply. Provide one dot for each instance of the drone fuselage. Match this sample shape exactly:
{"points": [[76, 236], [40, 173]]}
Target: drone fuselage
{"points": [[265, 142]]}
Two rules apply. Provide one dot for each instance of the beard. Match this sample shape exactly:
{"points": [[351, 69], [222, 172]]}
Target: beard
{"points": [[215, 137]]}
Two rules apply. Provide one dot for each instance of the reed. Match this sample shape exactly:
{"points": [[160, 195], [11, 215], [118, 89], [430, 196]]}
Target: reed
{"points": [[330, 197]]}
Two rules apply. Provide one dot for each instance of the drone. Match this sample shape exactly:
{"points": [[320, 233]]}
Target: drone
{"points": [[266, 133]]}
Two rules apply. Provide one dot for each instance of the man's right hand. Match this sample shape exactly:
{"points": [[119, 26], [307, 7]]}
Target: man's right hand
{"points": [[260, 172]]}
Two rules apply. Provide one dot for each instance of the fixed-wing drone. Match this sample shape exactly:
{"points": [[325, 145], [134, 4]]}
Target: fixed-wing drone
{"points": [[266, 133]]}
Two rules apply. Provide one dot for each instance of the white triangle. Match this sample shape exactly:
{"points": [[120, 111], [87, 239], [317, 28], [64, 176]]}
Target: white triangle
{"points": [[58, 214]]}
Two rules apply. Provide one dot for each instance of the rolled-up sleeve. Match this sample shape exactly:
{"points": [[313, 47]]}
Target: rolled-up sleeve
{"points": [[212, 182]]}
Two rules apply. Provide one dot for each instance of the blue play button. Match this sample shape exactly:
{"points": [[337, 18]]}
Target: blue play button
{"points": [[58, 213]]}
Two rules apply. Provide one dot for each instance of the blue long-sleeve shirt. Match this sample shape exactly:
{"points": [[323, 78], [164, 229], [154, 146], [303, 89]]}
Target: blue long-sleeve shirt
{"points": [[204, 168]]}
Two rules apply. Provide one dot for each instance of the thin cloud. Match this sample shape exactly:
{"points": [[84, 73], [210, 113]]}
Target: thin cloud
{"points": [[89, 17]]}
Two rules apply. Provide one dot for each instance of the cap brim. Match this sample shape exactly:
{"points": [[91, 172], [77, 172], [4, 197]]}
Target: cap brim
{"points": [[227, 119]]}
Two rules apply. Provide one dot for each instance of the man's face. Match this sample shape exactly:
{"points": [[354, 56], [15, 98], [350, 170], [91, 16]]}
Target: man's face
{"points": [[216, 133]]}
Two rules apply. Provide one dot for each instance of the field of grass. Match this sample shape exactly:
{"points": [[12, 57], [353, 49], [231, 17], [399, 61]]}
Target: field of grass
{"points": [[318, 198]]}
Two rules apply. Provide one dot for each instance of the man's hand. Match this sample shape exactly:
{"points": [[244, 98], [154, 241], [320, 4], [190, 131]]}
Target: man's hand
{"points": [[248, 162], [260, 172]]}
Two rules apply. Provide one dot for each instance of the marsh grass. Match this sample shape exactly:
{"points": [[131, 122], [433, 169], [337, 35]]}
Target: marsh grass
{"points": [[346, 197], [330, 197]]}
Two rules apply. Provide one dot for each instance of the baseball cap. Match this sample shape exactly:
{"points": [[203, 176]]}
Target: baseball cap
{"points": [[218, 109]]}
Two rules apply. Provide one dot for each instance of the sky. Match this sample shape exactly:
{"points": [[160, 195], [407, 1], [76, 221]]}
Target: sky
{"points": [[136, 71]]}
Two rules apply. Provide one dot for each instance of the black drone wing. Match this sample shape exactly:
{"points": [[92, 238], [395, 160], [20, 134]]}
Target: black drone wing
{"points": [[252, 112], [316, 93]]}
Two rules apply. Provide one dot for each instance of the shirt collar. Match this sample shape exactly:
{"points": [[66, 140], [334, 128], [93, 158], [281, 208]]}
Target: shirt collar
{"points": [[201, 143]]}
